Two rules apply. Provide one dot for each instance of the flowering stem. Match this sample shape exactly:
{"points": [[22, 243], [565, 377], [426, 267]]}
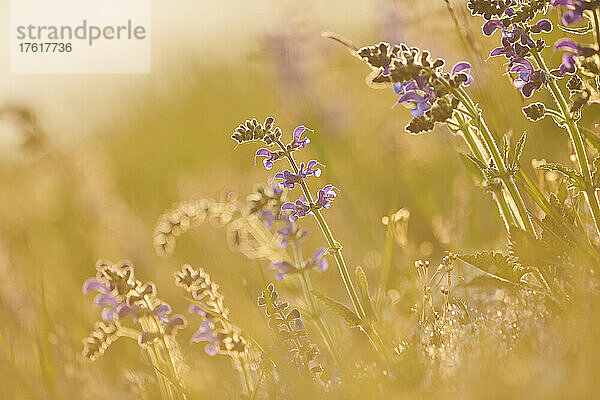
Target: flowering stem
{"points": [[492, 147], [334, 246], [335, 249], [576, 140]]}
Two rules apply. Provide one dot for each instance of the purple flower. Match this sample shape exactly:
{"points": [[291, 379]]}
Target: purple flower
{"points": [[196, 309], [575, 10], [290, 231], [104, 300], [270, 157], [94, 284], [572, 49], [312, 169], [205, 333], [283, 268], [298, 209], [410, 92], [319, 260], [298, 141], [162, 312], [510, 49], [268, 218], [543, 25], [290, 179], [464, 68], [528, 79], [326, 196]]}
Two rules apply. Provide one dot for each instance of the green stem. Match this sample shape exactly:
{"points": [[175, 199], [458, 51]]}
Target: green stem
{"points": [[317, 315], [504, 208], [576, 140], [245, 377], [172, 363], [334, 246], [492, 148], [335, 249]]}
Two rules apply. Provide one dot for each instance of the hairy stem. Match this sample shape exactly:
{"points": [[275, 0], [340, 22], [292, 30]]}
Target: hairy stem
{"points": [[504, 208], [335, 249], [317, 315], [334, 246], [494, 151]]}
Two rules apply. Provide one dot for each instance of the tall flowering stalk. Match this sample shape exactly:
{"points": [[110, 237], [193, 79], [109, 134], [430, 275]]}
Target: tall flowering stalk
{"points": [[275, 151], [220, 337], [438, 97], [522, 47], [123, 298]]}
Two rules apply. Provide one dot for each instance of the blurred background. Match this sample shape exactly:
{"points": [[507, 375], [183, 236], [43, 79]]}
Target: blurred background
{"points": [[88, 164]]}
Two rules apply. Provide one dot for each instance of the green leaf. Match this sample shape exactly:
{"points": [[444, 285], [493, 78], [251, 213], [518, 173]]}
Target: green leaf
{"points": [[531, 252], [519, 147], [574, 181], [496, 265], [477, 162], [363, 286], [338, 308]]}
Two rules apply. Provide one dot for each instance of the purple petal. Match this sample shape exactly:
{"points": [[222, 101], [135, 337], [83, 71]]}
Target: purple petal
{"points": [[93, 284], [461, 66], [566, 45], [196, 309], [105, 300], [211, 349], [109, 314], [544, 25], [490, 26]]}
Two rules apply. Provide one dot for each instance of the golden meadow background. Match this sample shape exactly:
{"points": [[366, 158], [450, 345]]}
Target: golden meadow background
{"points": [[88, 163]]}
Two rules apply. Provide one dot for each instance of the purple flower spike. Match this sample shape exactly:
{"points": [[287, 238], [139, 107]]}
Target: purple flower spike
{"points": [[94, 284], [270, 159], [298, 141]]}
